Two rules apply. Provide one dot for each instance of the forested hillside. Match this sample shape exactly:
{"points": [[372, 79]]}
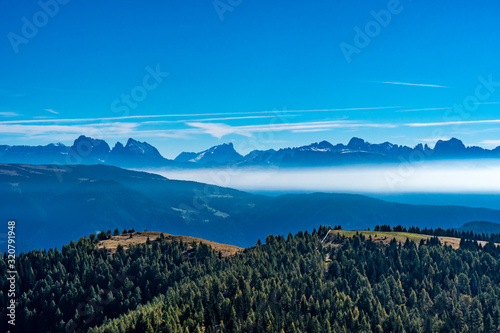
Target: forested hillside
{"points": [[288, 284]]}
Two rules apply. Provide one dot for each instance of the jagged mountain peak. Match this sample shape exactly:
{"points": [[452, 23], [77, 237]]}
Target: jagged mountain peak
{"points": [[137, 149], [118, 146], [58, 144], [321, 146], [222, 153], [86, 140], [225, 146], [90, 150], [132, 142], [451, 146], [356, 143]]}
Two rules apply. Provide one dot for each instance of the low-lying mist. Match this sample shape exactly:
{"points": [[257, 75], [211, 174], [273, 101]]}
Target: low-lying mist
{"points": [[464, 176]]}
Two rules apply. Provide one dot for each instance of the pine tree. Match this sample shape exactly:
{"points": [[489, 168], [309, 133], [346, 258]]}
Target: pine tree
{"points": [[477, 324]]}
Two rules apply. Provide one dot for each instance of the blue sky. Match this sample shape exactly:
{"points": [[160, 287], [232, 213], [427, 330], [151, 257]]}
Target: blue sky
{"points": [[186, 75]]}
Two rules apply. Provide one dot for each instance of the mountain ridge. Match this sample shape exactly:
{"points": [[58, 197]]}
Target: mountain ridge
{"points": [[136, 154], [481, 227]]}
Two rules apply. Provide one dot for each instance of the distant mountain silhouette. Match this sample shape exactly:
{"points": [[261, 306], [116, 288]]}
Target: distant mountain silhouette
{"points": [[137, 154], [480, 227], [89, 151], [355, 152], [452, 147], [86, 150], [358, 151]]}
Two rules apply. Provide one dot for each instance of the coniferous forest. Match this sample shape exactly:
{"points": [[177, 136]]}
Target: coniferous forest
{"points": [[287, 284]]}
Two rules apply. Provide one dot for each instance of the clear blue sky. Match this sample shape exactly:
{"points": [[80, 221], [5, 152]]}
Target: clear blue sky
{"points": [[262, 74]]}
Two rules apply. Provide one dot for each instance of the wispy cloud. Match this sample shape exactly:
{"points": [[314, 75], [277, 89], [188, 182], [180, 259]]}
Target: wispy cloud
{"points": [[100, 130], [450, 123], [416, 84], [487, 103], [344, 109], [311, 130], [116, 135], [9, 114], [434, 140], [88, 129], [219, 130], [84, 120], [443, 108], [51, 111], [424, 109], [157, 122], [271, 113], [494, 143], [110, 129]]}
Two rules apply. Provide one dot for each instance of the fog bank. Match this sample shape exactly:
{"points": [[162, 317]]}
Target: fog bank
{"points": [[471, 176]]}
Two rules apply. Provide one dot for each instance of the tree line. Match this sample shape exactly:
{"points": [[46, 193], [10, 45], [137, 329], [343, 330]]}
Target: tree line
{"points": [[439, 232], [288, 284]]}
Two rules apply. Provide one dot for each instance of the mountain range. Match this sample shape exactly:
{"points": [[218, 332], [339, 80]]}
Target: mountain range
{"points": [[86, 150], [53, 204]]}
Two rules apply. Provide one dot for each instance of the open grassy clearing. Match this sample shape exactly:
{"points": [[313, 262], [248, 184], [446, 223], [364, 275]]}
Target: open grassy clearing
{"points": [[142, 236], [384, 237]]}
